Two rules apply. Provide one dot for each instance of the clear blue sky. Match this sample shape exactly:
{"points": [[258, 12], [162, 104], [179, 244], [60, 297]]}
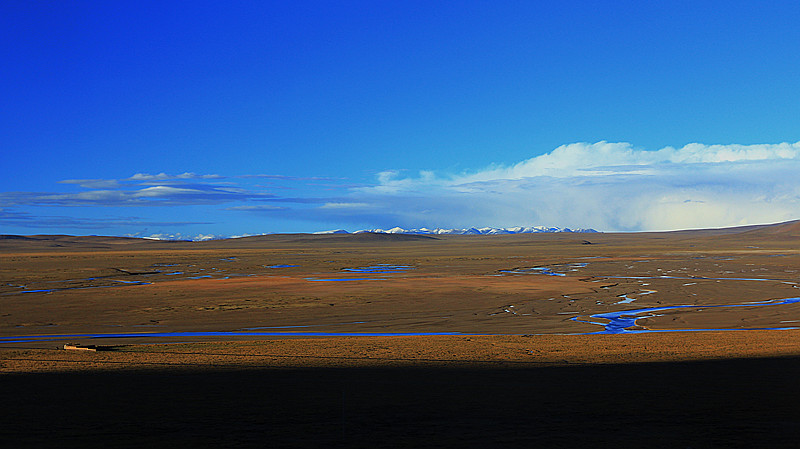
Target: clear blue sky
{"points": [[376, 114]]}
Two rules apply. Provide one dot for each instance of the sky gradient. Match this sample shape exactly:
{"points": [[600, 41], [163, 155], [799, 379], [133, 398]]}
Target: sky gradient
{"points": [[233, 118]]}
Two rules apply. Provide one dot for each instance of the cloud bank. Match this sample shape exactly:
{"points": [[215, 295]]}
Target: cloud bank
{"points": [[603, 185], [94, 203], [606, 186], [139, 190]]}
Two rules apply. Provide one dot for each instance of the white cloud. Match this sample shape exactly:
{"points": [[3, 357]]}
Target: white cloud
{"points": [[256, 208], [605, 185], [602, 158], [608, 186], [344, 206], [93, 183], [89, 196], [163, 191], [163, 176], [174, 194]]}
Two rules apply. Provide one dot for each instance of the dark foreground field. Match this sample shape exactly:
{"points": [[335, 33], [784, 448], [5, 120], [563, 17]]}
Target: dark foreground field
{"points": [[678, 390], [700, 404]]}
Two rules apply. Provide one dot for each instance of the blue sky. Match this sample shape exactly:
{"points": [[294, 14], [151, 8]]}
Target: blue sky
{"points": [[232, 118]]}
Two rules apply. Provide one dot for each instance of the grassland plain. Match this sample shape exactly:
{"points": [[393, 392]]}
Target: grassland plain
{"points": [[522, 366]]}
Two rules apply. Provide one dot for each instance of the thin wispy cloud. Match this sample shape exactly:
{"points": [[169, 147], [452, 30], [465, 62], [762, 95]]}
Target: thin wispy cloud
{"points": [[27, 220], [136, 197], [93, 183], [140, 190], [345, 206], [298, 200], [292, 178], [164, 176], [256, 208], [236, 196]]}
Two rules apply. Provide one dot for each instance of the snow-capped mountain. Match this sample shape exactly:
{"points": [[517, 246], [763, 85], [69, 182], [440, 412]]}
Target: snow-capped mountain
{"points": [[467, 231]]}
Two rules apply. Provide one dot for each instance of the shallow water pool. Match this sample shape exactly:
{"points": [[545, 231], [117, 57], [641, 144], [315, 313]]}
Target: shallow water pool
{"points": [[620, 322], [34, 338]]}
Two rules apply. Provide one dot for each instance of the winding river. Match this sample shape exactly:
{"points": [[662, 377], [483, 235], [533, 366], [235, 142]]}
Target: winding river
{"points": [[620, 322]]}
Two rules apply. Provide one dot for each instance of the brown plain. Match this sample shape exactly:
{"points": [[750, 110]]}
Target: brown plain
{"points": [[513, 378]]}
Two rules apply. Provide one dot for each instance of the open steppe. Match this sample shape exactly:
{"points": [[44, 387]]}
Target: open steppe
{"points": [[506, 284], [267, 347]]}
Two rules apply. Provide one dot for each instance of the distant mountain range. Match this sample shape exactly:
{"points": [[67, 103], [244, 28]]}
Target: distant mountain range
{"points": [[466, 231]]}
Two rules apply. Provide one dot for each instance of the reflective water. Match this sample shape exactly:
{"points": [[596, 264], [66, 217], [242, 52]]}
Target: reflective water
{"points": [[621, 321], [692, 278], [538, 270], [627, 299], [345, 279], [50, 290], [553, 270], [380, 268], [33, 338]]}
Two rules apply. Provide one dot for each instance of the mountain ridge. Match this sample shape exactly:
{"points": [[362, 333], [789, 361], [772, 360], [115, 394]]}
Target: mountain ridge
{"points": [[463, 231]]}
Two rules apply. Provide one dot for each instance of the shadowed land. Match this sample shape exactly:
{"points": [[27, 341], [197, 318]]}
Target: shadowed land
{"points": [[748, 402]]}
